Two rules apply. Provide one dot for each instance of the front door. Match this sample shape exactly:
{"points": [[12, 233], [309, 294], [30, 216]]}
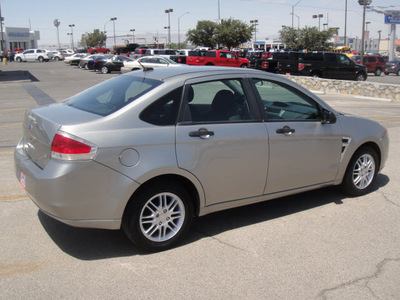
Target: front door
{"points": [[303, 150]]}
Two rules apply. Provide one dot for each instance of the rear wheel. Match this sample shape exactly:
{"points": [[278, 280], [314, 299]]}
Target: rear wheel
{"points": [[56, 58], [105, 70], [378, 72], [386, 73], [158, 217], [86, 67], [41, 59], [243, 66], [361, 77], [361, 172]]}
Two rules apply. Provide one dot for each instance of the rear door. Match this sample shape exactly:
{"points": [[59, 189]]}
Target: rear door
{"points": [[222, 140]]}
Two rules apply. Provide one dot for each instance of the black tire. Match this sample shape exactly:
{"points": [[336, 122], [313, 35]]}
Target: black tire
{"points": [[398, 73], [386, 73], [361, 77], [361, 172], [86, 67], [316, 75], [105, 70], [378, 72], [41, 59], [19, 59], [244, 66], [56, 58], [152, 212]]}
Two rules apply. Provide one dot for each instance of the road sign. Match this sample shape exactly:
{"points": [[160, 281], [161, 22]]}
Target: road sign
{"points": [[392, 17]]}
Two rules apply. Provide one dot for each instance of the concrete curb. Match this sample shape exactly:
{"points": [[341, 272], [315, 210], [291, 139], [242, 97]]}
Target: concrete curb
{"points": [[356, 88]]}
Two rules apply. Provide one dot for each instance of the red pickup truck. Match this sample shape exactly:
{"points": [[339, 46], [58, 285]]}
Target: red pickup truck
{"points": [[98, 50], [218, 58]]}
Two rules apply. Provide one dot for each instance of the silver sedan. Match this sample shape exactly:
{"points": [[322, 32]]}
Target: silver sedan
{"points": [[149, 150]]}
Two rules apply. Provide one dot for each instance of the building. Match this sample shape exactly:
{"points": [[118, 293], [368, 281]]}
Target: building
{"points": [[18, 37]]}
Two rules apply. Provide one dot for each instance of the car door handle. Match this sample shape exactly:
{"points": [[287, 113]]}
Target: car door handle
{"points": [[201, 133], [286, 130]]}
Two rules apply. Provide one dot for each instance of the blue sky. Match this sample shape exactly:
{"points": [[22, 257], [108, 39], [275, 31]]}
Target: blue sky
{"points": [[149, 18]]}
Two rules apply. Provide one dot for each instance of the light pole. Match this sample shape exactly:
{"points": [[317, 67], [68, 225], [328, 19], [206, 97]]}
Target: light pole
{"points": [[319, 16], [379, 40], [72, 34], [169, 11], [325, 24], [113, 20], [364, 3], [345, 23], [133, 35], [255, 22], [179, 28], [293, 12], [70, 39]]}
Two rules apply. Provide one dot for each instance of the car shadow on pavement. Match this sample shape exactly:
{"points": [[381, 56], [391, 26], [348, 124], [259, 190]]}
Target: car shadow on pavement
{"points": [[94, 244], [10, 76]]}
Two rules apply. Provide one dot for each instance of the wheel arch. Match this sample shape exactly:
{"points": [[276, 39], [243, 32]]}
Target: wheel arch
{"points": [[189, 185]]}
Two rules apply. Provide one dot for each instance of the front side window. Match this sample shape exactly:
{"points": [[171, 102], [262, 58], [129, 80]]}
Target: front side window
{"points": [[283, 103], [218, 101]]}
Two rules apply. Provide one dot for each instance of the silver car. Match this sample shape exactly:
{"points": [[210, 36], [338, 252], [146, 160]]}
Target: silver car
{"points": [[149, 150]]}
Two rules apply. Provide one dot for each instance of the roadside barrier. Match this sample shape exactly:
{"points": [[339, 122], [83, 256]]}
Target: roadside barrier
{"points": [[357, 88]]}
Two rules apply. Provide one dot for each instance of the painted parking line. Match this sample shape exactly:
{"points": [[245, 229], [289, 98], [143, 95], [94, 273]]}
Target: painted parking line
{"points": [[13, 197], [7, 153], [13, 109], [10, 125]]}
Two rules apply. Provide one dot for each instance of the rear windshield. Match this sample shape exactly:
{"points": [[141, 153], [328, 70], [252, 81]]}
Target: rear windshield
{"points": [[111, 95]]}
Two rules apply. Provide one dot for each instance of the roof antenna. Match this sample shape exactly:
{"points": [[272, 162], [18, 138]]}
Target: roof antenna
{"points": [[143, 67]]}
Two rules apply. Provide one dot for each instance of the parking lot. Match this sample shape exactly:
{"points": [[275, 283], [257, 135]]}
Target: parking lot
{"points": [[316, 245]]}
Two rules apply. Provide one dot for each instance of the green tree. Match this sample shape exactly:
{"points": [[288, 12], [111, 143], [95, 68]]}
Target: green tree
{"points": [[231, 33], [203, 35], [93, 39], [309, 38]]}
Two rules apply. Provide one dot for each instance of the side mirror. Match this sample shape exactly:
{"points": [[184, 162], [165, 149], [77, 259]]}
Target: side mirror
{"points": [[328, 117]]}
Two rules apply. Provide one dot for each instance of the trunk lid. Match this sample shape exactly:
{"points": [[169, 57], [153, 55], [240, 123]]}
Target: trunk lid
{"points": [[41, 125]]}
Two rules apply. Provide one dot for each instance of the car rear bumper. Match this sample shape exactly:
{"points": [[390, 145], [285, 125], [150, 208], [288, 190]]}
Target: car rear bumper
{"points": [[80, 193]]}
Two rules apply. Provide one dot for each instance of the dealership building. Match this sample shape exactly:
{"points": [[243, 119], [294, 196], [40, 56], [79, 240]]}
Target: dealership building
{"points": [[17, 37]]}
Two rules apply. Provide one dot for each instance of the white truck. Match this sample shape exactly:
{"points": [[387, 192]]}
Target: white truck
{"points": [[32, 55]]}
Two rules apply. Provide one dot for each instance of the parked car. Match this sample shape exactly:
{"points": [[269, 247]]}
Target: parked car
{"points": [[91, 62], [393, 66], [67, 52], [74, 59], [147, 151], [83, 63], [55, 55], [32, 55], [148, 62], [96, 50], [107, 65], [374, 63]]}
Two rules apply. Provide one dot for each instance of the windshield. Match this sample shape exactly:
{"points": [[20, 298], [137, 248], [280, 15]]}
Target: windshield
{"points": [[111, 95]]}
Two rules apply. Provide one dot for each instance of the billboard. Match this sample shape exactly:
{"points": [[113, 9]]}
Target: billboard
{"points": [[392, 17]]}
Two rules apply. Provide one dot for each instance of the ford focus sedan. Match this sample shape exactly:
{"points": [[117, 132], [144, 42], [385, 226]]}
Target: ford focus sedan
{"points": [[149, 150]]}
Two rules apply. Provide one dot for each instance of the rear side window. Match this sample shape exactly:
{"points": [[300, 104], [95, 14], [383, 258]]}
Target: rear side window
{"points": [[110, 96], [164, 111]]}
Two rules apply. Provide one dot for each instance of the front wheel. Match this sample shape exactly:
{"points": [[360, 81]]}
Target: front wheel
{"points": [[398, 73], [41, 59], [361, 172], [386, 73], [158, 217], [243, 66], [19, 59]]}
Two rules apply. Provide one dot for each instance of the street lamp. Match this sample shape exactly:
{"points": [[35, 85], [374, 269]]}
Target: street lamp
{"points": [[319, 16], [70, 39], [169, 11], [293, 12], [179, 29], [113, 20], [133, 35], [255, 22], [364, 3], [72, 35], [379, 41], [325, 24]]}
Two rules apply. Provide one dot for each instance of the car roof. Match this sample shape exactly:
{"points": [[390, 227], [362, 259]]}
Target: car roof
{"points": [[188, 72]]}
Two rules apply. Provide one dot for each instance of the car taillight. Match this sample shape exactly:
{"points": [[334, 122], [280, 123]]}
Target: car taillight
{"points": [[96, 61], [302, 66], [265, 65], [68, 147]]}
